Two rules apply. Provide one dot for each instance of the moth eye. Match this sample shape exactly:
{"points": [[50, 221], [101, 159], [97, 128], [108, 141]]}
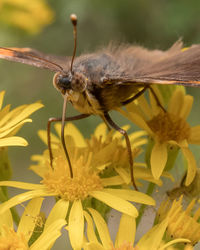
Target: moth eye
{"points": [[62, 82]]}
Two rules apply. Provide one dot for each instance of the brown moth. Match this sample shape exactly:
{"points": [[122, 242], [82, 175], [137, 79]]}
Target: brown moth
{"points": [[110, 78]]}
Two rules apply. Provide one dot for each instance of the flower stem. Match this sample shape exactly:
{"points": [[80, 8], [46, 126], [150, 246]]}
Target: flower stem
{"points": [[4, 198]]}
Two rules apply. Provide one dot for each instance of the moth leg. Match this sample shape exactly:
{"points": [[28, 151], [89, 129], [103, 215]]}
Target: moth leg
{"points": [[53, 119], [128, 144], [135, 96], [105, 121], [156, 98]]}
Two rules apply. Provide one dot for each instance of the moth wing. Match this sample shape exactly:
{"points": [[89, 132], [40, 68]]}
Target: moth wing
{"points": [[181, 68], [35, 58]]}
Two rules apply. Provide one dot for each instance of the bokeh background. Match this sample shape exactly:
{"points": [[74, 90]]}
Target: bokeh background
{"points": [[45, 25]]}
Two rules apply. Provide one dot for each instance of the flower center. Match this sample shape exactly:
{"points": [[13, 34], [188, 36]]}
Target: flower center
{"points": [[169, 127], [12, 240], [83, 182]]}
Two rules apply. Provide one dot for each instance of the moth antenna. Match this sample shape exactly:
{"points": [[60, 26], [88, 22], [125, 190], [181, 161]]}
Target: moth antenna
{"points": [[74, 20]]}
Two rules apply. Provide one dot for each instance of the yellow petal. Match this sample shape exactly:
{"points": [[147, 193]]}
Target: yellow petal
{"points": [[139, 143], [115, 202], [145, 174], [59, 211], [134, 136], [192, 166], [194, 135], [2, 93], [145, 107], [136, 119], [104, 154], [4, 111], [29, 218], [22, 185], [93, 246], [11, 115], [152, 239], [112, 181], [49, 236], [123, 174], [76, 225], [90, 228], [181, 144], [101, 131], [158, 159], [39, 170], [57, 127], [101, 228], [6, 131], [13, 141], [43, 136], [6, 220], [187, 106], [131, 195], [25, 113], [126, 232], [70, 129], [176, 102], [132, 107], [18, 199], [172, 242]]}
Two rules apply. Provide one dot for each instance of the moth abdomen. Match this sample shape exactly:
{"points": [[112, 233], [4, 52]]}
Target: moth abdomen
{"points": [[113, 96]]}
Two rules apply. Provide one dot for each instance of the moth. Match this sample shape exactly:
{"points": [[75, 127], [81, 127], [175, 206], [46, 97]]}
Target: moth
{"points": [[99, 82]]}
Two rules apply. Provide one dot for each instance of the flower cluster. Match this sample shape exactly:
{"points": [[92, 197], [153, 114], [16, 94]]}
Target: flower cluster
{"points": [[100, 181]]}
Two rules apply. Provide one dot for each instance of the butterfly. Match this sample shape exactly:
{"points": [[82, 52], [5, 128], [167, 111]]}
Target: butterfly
{"points": [[99, 82]]}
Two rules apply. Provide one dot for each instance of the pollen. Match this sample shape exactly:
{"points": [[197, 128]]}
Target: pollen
{"points": [[168, 126], [11, 240], [83, 182]]}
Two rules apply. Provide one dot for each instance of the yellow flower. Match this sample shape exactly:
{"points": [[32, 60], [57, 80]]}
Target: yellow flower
{"points": [[168, 129], [19, 239], [183, 223], [108, 149], [112, 145], [125, 237], [30, 16], [85, 184], [12, 121]]}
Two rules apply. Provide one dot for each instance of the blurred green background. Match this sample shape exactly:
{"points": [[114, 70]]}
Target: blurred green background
{"points": [[46, 27]]}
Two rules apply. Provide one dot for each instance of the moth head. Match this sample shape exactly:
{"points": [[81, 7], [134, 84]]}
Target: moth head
{"points": [[75, 81]]}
